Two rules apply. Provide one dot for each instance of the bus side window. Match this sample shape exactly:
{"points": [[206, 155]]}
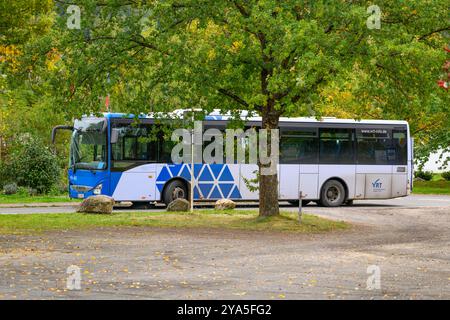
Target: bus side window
{"points": [[134, 144], [298, 146], [400, 145], [129, 146], [165, 147], [378, 146], [336, 146], [211, 139]]}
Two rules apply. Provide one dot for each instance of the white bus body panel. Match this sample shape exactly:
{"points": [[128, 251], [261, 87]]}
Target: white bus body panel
{"points": [[399, 181], [360, 186], [247, 171], [378, 186], [361, 181], [289, 181], [137, 184]]}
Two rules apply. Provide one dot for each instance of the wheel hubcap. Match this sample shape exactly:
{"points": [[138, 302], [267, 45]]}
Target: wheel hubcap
{"points": [[178, 193], [333, 194]]}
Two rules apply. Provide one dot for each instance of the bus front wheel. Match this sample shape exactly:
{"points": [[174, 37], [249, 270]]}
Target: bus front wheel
{"points": [[176, 189], [332, 194]]}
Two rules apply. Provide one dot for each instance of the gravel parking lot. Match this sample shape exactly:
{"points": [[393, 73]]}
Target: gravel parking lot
{"points": [[407, 241]]}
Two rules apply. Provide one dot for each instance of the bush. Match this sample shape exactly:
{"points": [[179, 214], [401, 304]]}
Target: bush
{"points": [[446, 175], [425, 175], [26, 191], [34, 165], [22, 191], [32, 192], [58, 189], [10, 188]]}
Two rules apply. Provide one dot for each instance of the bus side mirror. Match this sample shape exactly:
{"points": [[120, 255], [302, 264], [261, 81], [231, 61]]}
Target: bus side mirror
{"points": [[55, 129], [114, 135]]}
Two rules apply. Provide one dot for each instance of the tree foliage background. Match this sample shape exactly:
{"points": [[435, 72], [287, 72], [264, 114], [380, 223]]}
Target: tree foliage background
{"points": [[277, 58]]}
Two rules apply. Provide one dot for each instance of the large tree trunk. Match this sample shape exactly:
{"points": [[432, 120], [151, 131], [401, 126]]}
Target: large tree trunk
{"points": [[268, 184]]}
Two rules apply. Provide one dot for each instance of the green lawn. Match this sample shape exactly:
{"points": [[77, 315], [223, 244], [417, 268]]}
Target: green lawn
{"points": [[437, 185], [237, 219], [20, 198], [431, 187], [437, 177]]}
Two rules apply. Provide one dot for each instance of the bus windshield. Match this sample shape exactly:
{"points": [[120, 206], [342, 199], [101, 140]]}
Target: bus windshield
{"points": [[88, 146]]}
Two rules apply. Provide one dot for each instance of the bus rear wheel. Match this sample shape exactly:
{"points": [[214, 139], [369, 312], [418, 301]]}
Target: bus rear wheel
{"points": [[332, 194], [176, 189]]}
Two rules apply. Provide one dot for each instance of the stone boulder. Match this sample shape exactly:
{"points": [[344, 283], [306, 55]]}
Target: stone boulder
{"points": [[179, 205], [225, 204], [97, 204]]}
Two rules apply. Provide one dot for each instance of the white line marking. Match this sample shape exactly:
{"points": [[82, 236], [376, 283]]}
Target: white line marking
{"points": [[431, 199]]}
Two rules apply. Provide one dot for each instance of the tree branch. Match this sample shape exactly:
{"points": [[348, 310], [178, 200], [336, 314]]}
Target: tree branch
{"points": [[433, 32], [241, 9], [234, 97]]}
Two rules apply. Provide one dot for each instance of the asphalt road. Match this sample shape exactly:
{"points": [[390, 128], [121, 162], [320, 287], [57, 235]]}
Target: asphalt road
{"points": [[407, 242], [411, 201]]}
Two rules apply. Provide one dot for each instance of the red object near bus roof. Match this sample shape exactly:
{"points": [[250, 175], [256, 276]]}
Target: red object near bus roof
{"points": [[107, 102]]}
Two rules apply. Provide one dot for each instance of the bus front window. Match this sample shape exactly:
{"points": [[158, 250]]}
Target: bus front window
{"points": [[88, 149]]}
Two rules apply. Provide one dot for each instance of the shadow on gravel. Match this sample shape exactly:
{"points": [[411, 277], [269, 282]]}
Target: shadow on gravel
{"points": [[208, 205]]}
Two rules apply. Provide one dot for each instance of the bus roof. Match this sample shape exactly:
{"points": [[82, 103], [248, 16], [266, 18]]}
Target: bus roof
{"points": [[217, 116]]}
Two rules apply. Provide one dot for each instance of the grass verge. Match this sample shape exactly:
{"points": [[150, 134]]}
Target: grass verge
{"points": [[432, 187], [18, 198], [237, 219]]}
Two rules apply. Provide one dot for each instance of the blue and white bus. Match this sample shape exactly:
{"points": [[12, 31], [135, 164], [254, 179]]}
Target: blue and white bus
{"points": [[331, 161]]}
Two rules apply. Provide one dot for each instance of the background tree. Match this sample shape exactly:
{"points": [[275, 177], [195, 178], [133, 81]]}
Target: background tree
{"points": [[27, 62], [25, 99]]}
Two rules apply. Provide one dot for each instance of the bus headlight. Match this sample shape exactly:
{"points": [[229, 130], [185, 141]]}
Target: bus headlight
{"points": [[98, 189]]}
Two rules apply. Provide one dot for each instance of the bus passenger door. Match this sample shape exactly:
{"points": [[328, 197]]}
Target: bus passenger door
{"points": [[289, 181], [400, 170], [309, 181]]}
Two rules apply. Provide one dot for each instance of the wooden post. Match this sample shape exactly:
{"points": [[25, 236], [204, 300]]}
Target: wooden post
{"points": [[300, 196], [191, 193]]}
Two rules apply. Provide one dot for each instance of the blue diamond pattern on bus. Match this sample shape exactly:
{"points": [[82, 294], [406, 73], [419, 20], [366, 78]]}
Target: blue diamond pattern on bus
{"points": [[226, 175], [235, 194], [186, 173], [175, 169], [206, 175], [197, 169], [196, 193], [226, 188], [215, 194], [216, 169], [164, 175], [213, 181], [205, 188]]}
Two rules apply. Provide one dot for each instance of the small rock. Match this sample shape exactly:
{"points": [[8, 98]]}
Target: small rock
{"points": [[179, 205], [225, 204], [123, 204], [97, 204]]}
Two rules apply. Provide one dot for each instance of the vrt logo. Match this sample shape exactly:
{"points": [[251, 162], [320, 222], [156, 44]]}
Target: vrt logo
{"points": [[377, 184]]}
